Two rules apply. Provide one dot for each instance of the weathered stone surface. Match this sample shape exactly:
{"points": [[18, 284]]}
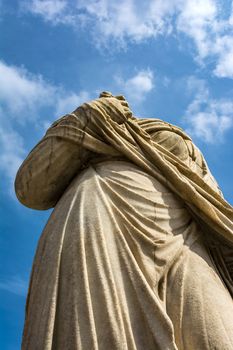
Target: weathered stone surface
{"points": [[137, 253]]}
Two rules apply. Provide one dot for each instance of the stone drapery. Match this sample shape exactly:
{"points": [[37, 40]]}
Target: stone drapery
{"points": [[136, 207]]}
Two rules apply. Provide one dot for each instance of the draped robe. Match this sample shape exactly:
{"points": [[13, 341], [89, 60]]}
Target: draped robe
{"points": [[137, 253]]}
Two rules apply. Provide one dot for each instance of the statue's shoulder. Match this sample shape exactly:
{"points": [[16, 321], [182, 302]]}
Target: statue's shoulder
{"points": [[153, 125]]}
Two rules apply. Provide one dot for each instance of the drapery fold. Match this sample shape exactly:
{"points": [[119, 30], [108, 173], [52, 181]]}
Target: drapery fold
{"points": [[132, 139]]}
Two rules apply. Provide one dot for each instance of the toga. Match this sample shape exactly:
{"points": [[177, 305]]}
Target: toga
{"points": [[137, 253]]}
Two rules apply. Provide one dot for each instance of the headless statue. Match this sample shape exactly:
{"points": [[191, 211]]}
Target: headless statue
{"points": [[138, 251]]}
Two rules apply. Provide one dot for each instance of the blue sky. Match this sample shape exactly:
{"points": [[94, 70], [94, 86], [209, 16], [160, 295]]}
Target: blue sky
{"points": [[172, 59]]}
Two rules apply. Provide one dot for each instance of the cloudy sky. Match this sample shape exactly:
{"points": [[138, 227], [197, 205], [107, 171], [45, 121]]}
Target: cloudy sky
{"points": [[172, 59]]}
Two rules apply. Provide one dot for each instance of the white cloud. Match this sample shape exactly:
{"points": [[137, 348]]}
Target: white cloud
{"points": [[55, 11], [111, 21], [21, 93], [207, 118], [210, 125], [224, 49], [212, 34], [12, 152], [23, 96], [127, 19], [231, 16], [70, 102], [115, 23], [197, 19], [15, 285], [136, 87], [50, 8]]}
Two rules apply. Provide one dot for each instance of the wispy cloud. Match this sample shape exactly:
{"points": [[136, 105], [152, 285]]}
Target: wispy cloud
{"points": [[111, 20], [137, 87], [54, 11], [203, 21], [12, 152], [123, 20], [69, 102], [117, 22], [15, 285], [207, 118], [22, 98], [197, 19], [224, 49], [22, 94]]}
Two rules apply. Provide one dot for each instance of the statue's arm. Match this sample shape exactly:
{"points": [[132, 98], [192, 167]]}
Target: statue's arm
{"points": [[57, 158], [49, 168]]}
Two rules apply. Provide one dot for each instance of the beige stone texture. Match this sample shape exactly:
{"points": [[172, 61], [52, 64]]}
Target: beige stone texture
{"points": [[137, 253]]}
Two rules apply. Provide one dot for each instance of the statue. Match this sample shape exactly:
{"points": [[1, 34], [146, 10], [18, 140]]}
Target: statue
{"points": [[138, 251]]}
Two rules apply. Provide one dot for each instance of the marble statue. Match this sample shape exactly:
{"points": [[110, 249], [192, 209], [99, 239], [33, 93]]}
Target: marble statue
{"points": [[138, 251]]}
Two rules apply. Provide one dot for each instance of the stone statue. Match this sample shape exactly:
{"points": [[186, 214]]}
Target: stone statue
{"points": [[137, 253]]}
